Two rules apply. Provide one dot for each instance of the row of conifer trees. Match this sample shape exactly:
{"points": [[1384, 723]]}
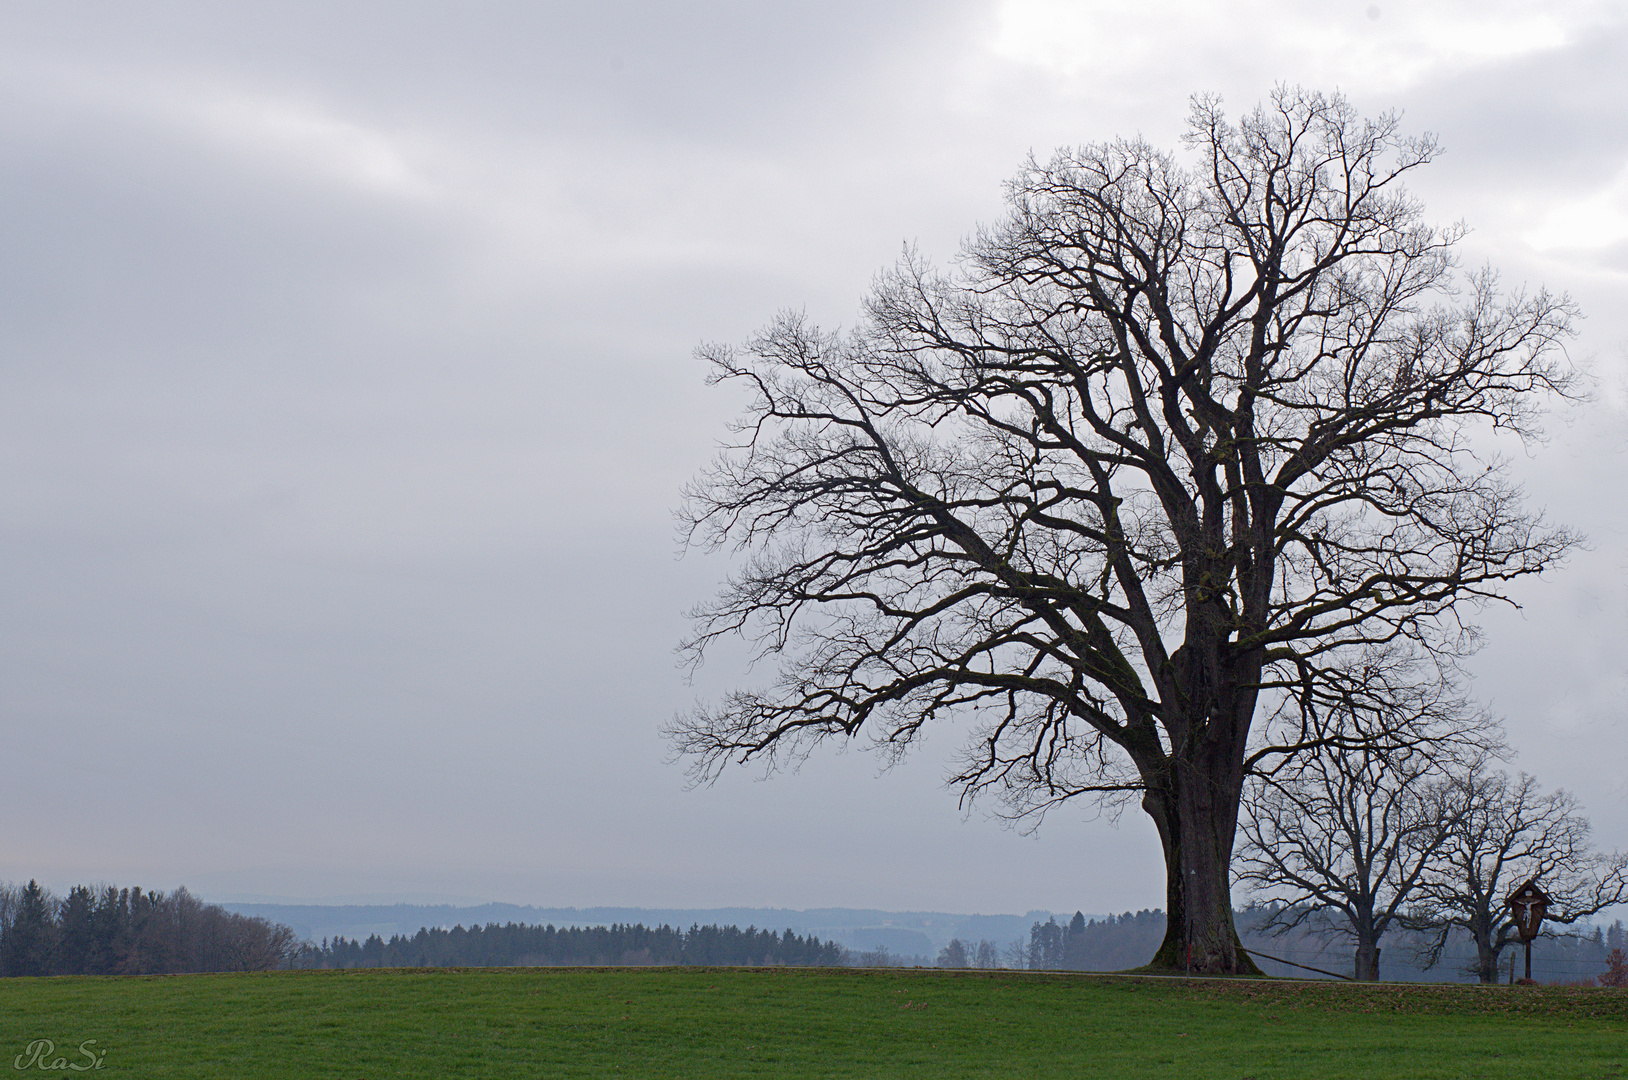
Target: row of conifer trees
{"points": [[512, 944]]}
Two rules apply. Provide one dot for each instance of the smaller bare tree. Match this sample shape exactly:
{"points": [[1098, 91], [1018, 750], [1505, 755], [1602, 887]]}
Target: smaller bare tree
{"points": [[1343, 834], [1506, 830]]}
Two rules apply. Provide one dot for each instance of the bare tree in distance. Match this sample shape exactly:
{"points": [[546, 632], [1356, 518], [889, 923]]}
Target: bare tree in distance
{"points": [[1345, 836], [1506, 830], [1616, 969], [1166, 448], [954, 955]]}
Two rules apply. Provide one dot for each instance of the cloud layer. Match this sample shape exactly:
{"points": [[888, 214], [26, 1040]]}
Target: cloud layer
{"points": [[347, 390]]}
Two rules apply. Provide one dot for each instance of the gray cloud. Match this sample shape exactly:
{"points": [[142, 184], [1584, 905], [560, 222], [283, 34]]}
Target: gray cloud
{"points": [[1553, 118]]}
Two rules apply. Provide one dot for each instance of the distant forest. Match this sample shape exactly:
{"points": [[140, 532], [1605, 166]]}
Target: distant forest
{"points": [[515, 944], [111, 931], [106, 930]]}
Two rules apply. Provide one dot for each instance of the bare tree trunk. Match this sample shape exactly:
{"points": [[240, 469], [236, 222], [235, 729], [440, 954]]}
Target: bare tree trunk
{"points": [[1367, 966], [1367, 954], [1196, 813]]}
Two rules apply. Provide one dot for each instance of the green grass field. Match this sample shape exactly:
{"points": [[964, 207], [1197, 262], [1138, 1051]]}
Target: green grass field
{"points": [[703, 1022]]}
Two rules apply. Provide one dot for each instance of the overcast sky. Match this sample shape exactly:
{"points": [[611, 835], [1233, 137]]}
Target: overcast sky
{"points": [[346, 389]]}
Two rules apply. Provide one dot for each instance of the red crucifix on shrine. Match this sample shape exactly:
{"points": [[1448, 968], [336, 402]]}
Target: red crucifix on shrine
{"points": [[1528, 904]]}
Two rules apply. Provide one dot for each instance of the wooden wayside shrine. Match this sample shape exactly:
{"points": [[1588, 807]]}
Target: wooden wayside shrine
{"points": [[1527, 905]]}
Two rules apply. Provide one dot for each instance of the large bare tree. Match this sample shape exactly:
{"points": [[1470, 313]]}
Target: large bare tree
{"points": [[1167, 444]]}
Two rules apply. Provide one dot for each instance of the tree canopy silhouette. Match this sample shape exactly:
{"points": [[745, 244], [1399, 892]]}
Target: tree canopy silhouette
{"points": [[1167, 448]]}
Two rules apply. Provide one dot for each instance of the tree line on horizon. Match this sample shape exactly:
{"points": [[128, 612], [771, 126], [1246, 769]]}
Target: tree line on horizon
{"points": [[112, 931], [620, 944]]}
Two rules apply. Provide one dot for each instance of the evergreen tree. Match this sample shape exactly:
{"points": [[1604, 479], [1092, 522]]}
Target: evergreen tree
{"points": [[1074, 943], [110, 933], [76, 932], [30, 941], [1045, 946]]}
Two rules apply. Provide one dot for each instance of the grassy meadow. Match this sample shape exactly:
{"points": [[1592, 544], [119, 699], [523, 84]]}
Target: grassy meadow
{"points": [[795, 1022]]}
